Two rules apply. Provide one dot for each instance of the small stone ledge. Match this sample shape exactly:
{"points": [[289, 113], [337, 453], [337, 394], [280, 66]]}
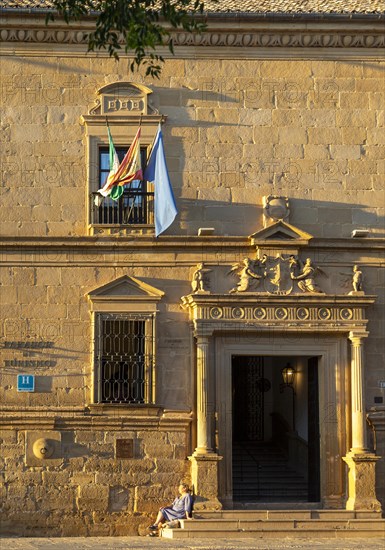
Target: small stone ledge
{"points": [[122, 409], [101, 416]]}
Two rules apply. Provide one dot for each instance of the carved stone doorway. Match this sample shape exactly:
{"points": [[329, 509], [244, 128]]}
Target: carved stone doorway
{"points": [[275, 430], [301, 326]]}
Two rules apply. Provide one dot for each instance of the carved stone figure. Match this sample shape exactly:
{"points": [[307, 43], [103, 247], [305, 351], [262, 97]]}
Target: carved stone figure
{"points": [[199, 279], [246, 275], [306, 279], [357, 281]]}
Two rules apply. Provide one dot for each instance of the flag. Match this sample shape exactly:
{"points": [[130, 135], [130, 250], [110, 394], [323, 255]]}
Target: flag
{"points": [[129, 170], [113, 164], [156, 172]]}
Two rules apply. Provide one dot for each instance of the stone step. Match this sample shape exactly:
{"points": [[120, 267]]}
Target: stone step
{"points": [[258, 525], [311, 513], [311, 533], [232, 524]]}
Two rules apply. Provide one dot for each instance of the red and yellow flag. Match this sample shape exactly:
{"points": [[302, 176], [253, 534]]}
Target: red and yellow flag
{"points": [[130, 169]]}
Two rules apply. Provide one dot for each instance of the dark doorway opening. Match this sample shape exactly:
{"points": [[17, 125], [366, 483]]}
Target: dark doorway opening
{"points": [[275, 430]]}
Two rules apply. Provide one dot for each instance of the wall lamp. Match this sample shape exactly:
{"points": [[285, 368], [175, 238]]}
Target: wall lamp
{"points": [[288, 376]]}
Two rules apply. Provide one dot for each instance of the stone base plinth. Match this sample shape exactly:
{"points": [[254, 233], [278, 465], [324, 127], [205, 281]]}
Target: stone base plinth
{"points": [[204, 475], [362, 481]]}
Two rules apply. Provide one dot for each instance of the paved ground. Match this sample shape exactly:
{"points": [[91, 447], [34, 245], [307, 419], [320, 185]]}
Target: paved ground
{"points": [[144, 543]]}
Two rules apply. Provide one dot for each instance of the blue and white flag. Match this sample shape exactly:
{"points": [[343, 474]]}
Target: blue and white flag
{"points": [[156, 171]]}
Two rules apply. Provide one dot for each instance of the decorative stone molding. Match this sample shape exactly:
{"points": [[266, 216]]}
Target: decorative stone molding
{"points": [[278, 36], [253, 35], [284, 39], [123, 103], [258, 312], [94, 416]]}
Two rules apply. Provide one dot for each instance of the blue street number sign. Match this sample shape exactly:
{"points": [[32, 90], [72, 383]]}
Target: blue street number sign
{"points": [[25, 382]]}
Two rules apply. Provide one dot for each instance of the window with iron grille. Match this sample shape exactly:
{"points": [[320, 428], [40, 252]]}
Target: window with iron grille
{"points": [[124, 355], [135, 206]]}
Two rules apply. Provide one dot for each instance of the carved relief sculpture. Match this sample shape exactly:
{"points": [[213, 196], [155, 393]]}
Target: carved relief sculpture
{"points": [[306, 279], [199, 280], [247, 273], [277, 274], [275, 208]]}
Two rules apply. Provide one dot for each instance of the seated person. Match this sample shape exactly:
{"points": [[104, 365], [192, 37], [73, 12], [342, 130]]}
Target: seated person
{"points": [[181, 508]]}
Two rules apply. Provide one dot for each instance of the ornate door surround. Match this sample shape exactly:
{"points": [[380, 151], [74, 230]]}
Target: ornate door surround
{"points": [[259, 324]]}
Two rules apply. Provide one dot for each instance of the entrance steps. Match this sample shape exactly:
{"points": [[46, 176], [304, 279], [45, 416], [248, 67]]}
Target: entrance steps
{"points": [[311, 524]]}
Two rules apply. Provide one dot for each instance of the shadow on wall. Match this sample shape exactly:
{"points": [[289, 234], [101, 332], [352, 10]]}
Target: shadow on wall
{"points": [[319, 218]]}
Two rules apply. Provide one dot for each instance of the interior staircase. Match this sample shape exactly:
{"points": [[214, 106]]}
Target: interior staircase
{"points": [[261, 472], [311, 524]]}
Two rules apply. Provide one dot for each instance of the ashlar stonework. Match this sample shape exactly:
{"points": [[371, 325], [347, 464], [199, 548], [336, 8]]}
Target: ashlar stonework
{"points": [[158, 360]]}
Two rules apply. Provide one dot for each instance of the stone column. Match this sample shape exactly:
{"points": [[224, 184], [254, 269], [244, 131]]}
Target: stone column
{"points": [[204, 461], [204, 443], [358, 395], [361, 462]]}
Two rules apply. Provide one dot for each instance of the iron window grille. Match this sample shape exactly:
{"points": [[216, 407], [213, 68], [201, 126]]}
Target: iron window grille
{"points": [[124, 356], [135, 206]]}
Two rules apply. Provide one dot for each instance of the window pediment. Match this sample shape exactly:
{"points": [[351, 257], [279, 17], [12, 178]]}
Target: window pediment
{"points": [[124, 294]]}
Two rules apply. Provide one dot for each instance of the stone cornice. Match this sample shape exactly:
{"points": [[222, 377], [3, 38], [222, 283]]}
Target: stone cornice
{"points": [[92, 251], [175, 241], [234, 36], [112, 417]]}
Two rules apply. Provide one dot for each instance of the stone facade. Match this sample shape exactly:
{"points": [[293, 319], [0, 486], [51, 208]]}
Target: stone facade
{"points": [[240, 124]]}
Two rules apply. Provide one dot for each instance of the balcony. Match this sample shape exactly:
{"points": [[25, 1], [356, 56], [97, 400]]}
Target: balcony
{"points": [[133, 212]]}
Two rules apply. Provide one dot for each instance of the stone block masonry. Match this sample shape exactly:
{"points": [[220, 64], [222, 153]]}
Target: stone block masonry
{"points": [[92, 492], [294, 106]]}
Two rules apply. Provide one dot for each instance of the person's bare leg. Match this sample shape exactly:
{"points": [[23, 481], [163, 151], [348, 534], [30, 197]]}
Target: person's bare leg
{"points": [[159, 518]]}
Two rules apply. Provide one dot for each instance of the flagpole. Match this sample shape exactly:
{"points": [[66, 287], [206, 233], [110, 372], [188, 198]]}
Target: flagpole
{"points": [[153, 142], [135, 194]]}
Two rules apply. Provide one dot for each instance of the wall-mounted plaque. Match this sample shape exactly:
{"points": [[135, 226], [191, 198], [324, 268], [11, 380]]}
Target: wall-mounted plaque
{"points": [[124, 448]]}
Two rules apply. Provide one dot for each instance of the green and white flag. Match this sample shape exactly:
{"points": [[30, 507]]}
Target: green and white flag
{"points": [[113, 165]]}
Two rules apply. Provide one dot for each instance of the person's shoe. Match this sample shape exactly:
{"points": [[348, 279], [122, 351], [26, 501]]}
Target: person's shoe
{"points": [[153, 527]]}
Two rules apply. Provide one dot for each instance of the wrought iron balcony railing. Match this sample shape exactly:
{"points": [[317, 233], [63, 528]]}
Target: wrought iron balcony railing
{"points": [[133, 207]]}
